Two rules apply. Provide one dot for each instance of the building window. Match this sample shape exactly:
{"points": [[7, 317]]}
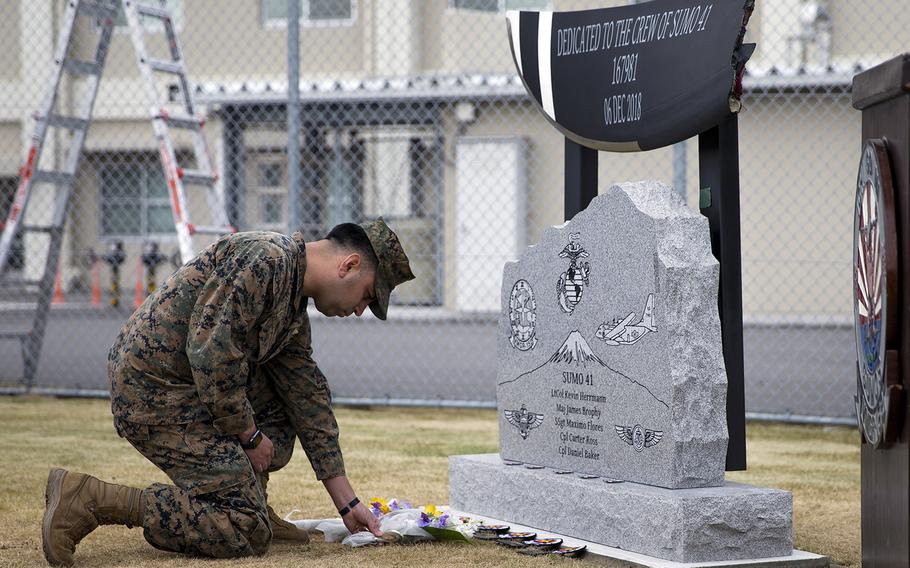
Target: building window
{"points": [[270, 194], [312, 12], [499, 6], [397, 178], [151, 25], [134, 201]]}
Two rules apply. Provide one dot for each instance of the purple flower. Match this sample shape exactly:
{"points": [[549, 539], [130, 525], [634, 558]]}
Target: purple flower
{"points": [[425, 520], [406, 505], [393, 505], [442, 521]]}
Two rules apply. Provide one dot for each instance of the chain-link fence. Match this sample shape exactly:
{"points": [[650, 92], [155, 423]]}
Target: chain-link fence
{"points": [[413, 111]]}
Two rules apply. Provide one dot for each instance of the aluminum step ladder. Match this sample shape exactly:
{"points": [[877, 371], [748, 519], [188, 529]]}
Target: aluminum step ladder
{"points": [[33, 179], [178, 178]]}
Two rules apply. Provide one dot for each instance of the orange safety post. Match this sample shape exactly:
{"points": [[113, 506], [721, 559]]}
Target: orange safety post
{"points": [[58, 289], [140, 290], [96, 283]]}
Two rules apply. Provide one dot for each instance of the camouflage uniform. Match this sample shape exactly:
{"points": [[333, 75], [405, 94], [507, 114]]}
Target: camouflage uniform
{"points": [[224, 341]]}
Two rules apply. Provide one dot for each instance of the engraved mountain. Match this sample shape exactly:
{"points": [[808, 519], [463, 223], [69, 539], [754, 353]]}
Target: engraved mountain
{"points": [[580, 400], [576, 350]]}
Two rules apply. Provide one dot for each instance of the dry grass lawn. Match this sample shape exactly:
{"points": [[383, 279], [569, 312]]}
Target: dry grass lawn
{"points": [[389, 452]]}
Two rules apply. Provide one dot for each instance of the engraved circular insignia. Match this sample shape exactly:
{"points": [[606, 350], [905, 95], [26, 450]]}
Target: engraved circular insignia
{"points": [[638, 438], [874, 291], [522, 316]]}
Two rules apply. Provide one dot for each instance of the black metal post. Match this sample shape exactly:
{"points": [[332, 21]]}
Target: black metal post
{"points": [[581, 177], [234, 167], [294, 198], [718, 169]]}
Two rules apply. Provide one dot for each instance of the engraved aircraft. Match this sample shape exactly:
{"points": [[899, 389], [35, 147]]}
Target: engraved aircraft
{"points": [[625, 332]]}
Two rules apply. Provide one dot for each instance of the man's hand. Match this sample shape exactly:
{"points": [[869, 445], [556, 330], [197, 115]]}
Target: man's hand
{"points": [[361, 519], [261, 456]]}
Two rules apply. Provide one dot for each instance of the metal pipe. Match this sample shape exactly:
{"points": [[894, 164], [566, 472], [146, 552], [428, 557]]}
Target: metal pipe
{"points": [[432, 403], [293, 115], [60, 392], [426, 402], [800, 419], [679, 168]]}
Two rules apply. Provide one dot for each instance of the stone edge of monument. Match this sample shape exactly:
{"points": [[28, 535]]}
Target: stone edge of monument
{"points": [[732, 522], [603, 555]]}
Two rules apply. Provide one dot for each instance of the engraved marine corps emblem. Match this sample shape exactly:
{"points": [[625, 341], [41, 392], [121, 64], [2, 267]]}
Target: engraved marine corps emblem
{"points": [[572, 282], [522, 316]]}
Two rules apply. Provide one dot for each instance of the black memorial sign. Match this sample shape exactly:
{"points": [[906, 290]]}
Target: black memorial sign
{"points": [[635, 77]]}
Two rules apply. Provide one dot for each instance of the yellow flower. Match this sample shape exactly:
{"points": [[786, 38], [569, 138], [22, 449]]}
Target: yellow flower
{"points": [[431, 510], [381, 504]]}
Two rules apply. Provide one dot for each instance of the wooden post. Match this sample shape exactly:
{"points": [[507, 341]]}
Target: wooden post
{"points": [[883, 94]]}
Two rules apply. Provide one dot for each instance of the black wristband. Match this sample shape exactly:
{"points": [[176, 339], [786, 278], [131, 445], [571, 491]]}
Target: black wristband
{"points": [[347, 508], [253, 442]]}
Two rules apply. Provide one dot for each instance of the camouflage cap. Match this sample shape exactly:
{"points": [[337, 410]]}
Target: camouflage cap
{"points": [[393, 268]]}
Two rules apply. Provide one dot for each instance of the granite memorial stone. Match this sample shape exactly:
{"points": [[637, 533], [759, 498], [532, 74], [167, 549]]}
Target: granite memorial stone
{"points": [[611, 392], [610, 354]]}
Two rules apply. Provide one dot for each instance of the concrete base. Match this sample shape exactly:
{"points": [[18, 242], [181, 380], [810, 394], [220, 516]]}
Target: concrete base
{"points": [[714, 524]]}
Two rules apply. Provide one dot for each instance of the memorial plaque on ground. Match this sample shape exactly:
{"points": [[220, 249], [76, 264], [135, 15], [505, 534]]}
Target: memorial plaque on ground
{"points": [[635, 77], [610, 356]]}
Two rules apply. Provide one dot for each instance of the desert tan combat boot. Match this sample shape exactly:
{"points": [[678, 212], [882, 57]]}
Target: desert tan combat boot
{"points": [[76, 504], [281, 529]]}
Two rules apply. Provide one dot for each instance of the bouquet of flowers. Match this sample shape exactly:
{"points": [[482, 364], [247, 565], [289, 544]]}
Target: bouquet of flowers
{"points": [[380, 507], [436, 522]]}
